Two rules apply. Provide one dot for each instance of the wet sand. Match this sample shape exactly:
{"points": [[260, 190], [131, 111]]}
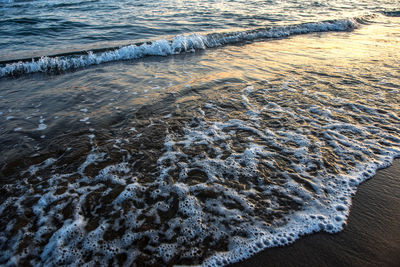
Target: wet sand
{"points": [[371, 237]]}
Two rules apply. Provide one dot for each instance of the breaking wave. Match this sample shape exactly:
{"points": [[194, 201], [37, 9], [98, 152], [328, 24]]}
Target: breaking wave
{"points": [[179, 44]]}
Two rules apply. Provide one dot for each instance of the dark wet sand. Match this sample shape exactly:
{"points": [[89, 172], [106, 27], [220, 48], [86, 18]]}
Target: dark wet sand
{"points": [[371, 237]]}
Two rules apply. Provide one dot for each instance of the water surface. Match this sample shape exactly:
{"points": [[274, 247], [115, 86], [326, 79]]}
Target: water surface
{"points": [[201, 157]]}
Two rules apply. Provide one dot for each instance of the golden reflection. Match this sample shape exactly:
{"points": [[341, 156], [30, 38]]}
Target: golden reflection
{"points": [[372, 45]]}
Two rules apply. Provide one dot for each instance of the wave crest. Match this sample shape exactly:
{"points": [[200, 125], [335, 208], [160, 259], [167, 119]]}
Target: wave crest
{"points": [[179, 44]]}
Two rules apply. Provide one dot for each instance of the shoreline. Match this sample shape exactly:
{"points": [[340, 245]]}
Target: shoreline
{"points": [[370, 238]]}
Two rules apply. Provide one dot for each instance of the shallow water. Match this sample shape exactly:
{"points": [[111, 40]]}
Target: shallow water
{"points": [[204, 157]]}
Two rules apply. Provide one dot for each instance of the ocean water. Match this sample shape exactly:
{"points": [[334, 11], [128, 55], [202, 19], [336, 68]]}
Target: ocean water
{"points": [[188, 132]]}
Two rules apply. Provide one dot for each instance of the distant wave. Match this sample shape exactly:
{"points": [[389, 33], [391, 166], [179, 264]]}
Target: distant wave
{"points": [[179, 44], [392, 13]]}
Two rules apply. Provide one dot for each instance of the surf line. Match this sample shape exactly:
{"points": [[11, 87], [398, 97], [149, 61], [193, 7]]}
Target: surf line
{"points": [[59, 63]]}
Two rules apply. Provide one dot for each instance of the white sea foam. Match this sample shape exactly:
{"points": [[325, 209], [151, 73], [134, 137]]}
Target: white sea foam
{"points": [[243, 216], [41, 125]]}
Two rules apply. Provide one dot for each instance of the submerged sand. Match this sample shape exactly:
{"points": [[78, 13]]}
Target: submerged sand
{"points": [[371, 237]]}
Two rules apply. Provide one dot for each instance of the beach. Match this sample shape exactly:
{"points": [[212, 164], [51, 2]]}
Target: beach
{"points": [[370, 238]]}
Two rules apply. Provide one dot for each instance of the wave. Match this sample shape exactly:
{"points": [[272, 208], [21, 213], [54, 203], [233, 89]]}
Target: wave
{"points": [[392, 13], [179, 44]]}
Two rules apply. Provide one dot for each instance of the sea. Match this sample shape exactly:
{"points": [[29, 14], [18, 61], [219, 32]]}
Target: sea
{"points": [[173, 132]]}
